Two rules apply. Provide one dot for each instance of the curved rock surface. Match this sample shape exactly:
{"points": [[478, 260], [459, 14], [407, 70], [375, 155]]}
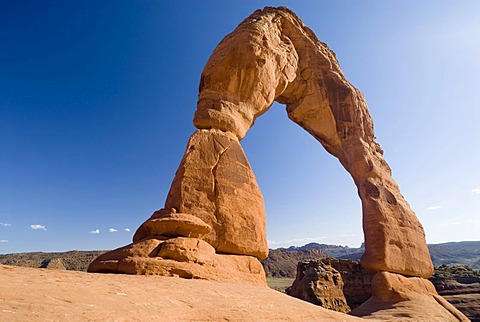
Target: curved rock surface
{"points": [[412, 298], [31, 294]]}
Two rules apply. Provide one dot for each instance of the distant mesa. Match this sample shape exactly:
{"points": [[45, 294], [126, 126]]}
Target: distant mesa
{"points": [[213, 223]]}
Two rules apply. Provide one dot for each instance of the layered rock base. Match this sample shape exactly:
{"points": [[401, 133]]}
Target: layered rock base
{"points": [[174, 249], [412, 298], [190, 258]]}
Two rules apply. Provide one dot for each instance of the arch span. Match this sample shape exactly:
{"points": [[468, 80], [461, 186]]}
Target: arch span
{"points": [[277, 58], [214, 213]]}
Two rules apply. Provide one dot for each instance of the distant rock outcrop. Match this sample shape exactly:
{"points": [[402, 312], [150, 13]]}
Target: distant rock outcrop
{"points": [[320, 284], [74, 260], [283, 263], [55, 263], [357, 287], [460, 286]]}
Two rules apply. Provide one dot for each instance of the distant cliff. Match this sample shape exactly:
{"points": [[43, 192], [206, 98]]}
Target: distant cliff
{"points": [[281, 262]]}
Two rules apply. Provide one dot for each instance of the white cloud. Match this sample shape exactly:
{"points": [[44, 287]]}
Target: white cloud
{"points": [[38, 227], [476, 190], [434, 208], [3, 241], [112, 230], [348, 235], [127, 230], [297, 240], [461, 222], [4, 224], [96, 231], [455, 223]]}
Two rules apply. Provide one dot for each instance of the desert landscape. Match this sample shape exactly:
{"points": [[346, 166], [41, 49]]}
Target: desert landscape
{"points": [[204, 255], [454, 281]]}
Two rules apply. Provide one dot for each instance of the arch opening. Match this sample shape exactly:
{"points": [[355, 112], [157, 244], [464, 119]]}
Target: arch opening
{"points": [[308, 195]]}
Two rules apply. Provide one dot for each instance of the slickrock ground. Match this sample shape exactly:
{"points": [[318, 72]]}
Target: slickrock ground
{"points": [[32, 294]]}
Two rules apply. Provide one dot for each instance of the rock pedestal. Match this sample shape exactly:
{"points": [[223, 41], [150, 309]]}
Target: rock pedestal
{"points": [[173, 247], [271, 56], [216, 184], [213, 223]]}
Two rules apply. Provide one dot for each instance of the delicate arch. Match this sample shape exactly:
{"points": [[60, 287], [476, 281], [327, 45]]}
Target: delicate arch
{"points": [[273, 56], [213, 221]]}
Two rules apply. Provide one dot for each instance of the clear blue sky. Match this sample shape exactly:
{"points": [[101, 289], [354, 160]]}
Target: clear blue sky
{"points": [[97, 100]]}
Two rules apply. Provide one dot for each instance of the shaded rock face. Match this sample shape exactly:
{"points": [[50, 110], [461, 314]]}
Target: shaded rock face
{"points": [[320, 284], [271, 56], [357, 286], [281, 263], [216, 183], [55, 263]]}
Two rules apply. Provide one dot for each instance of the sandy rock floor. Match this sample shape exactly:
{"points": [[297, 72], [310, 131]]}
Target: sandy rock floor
{"points": [[31, 294]]}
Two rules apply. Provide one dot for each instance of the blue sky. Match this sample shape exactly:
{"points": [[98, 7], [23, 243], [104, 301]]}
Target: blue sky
{"points": [[97, 100]]}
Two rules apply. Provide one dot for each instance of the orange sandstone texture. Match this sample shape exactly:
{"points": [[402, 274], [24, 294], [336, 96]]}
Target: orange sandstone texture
{"points": [[215, 183], [32, 294]]}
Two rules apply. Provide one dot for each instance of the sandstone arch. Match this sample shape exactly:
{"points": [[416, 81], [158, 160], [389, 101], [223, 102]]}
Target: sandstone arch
{"points": [[271, 56], [213, 223]]}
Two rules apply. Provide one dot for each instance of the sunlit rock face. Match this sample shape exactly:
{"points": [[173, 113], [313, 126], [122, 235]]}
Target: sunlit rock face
{"points": [[271, 56]]}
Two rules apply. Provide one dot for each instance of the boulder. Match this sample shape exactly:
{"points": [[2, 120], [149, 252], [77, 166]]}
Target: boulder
{"points": [[320, 284], [54, 263], [357, 286]]}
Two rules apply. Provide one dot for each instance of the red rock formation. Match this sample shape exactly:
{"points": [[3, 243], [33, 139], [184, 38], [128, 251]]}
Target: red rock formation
{"points": [[413, 298], [320, 284], [272, 56], [357, 286]]}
